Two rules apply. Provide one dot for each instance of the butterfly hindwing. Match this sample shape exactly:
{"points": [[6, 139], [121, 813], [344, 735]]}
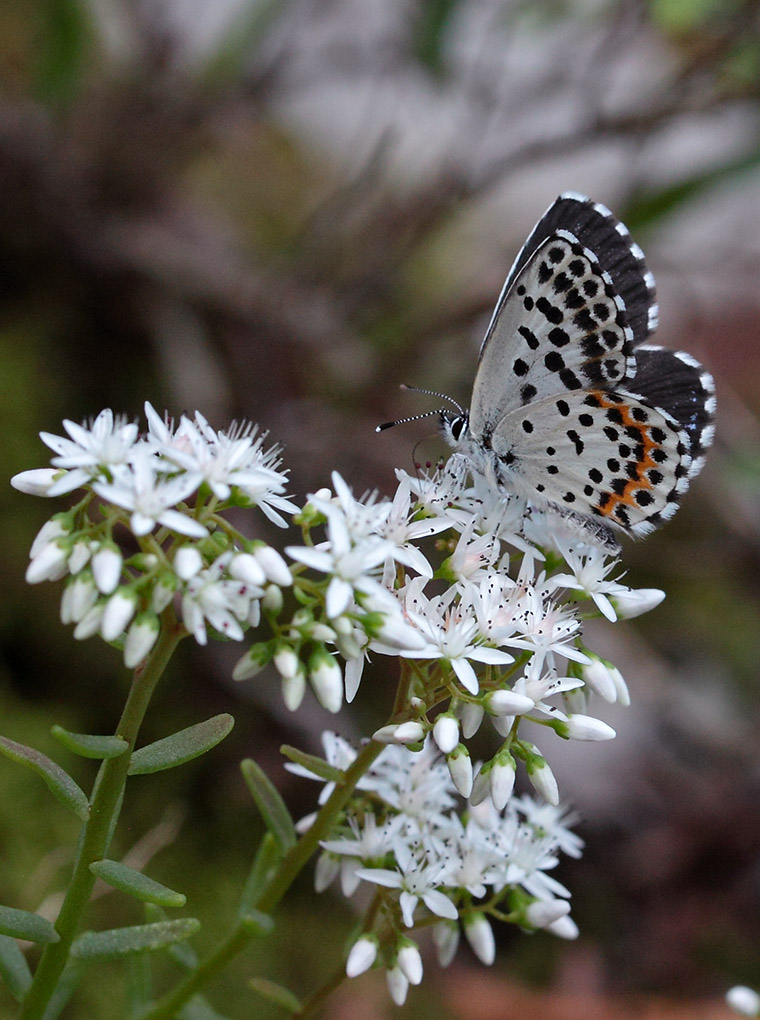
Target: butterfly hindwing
{"points": [[605, 455]]}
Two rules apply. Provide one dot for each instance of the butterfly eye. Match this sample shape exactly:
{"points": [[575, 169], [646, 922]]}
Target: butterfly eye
{"points": [[457, 426]]}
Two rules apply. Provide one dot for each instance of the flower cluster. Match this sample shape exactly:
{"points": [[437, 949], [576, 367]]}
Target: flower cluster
{"points": [[479, 598], [134, 542], [402, 833]]}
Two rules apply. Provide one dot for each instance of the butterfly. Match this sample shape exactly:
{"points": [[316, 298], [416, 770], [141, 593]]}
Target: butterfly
{"points": [[571, 408]]}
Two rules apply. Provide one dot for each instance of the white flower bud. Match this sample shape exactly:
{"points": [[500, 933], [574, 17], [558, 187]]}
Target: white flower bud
{"points": [[254, 660], [508, 703], [294, 689], [57, 527], [744, 1001], [245, 567], [119, 610], [409, 960], [634, 602], [272, 600], [79, 556], [408, 733], [398, 985], [446, 939], [363, 954], [326, 871], [446, 732], [273, 565], [50, 564], [78, 598], [385, 735], [163, 592], [106, 568], [481, 785], [585, 727], [35, 482], [321, 632], [141, 637], [326, 680], [471, 715], [479, 934], [502, 780], [542, 913], [564, 928], [542, 778], [460, 770], [187, 562], [89, 625], [286, 662]]}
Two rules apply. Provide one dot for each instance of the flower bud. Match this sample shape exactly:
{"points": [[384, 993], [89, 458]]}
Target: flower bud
{"points": [[362, 955], [36, 482], [542, 913], [272, 600], [106, 568], [460, 770], [89, 625], [163, 591], [481, 786], [564, 928], [119, 610], [326, 871], [141, 637], [634, 602], [274, 566], [326, 680], [410, 732], [409, 960], [446, 732], [502, 779], [542, 778], [286, 662], [50, 563], [79, 596], [508, 703], [59, 526], [255, 659], [398, 985], [471, 715], [294, 688], [446, 939], [79, 556], [479, 934], [605, 680], [187, 562], [584, 727], [245, 567]]}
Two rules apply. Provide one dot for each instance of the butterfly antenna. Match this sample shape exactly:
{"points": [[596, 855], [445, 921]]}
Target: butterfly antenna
{"points": [[425, 414]]}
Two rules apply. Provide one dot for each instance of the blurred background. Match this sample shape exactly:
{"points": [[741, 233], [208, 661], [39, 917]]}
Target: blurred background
{"points": [[282, 211]]}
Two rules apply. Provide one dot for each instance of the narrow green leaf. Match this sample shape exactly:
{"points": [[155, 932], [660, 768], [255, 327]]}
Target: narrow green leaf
{"points": [[89, 746], [138, 983], [60, 783], [14, 969], [181, 747], [268, 856], [20, 924], [275, 993], [140, 938], [136, 884], [67, 984], [256, 923], [312, 763], [270, 804]]}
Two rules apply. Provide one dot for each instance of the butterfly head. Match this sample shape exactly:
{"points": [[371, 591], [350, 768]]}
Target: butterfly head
{"points": [[454, 426]]}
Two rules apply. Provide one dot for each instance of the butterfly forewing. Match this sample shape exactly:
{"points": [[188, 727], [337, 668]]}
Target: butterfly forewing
{"points": [[563, 328]]}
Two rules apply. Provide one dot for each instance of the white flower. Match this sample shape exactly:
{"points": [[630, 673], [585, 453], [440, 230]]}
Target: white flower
{"points": [[417, 881], [222, 601], [446, 732], [326, 680], [107, 564], [92, 452], [451, 633], [605, 680], [409, 960], [150, 496], [589, 572], [543, 913], [50, 563], [633, 602], [350, 560], [398, 985]]}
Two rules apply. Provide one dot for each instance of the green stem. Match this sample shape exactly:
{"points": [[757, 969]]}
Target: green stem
{"points": [[292, 863], [98, 829]]}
